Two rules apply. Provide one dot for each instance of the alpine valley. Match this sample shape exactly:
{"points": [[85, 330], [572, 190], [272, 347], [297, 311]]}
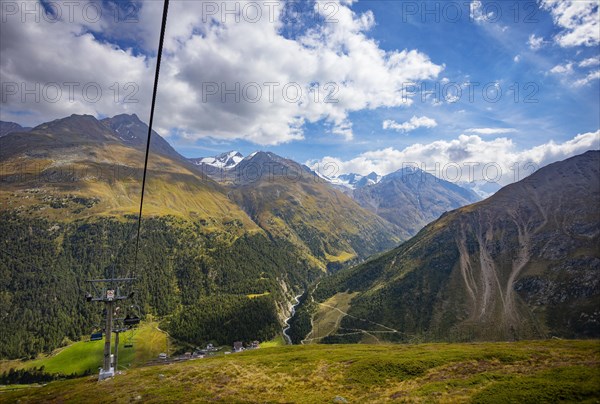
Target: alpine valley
{"points": [[226, 241]]}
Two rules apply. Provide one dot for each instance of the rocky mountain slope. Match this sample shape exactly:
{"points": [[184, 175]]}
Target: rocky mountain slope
{"points": [[134, 133], [81, 157], [523, 263], [408, 198]]}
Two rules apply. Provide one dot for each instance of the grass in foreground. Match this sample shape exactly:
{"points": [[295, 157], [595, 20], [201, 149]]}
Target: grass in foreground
{"points": [[523, 372]]}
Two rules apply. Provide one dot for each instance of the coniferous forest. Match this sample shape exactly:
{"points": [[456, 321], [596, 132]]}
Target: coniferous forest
{"points": [[185, 267]]}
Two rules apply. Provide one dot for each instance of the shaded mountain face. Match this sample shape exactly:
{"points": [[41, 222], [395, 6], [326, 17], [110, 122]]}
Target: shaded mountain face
{"points": [[411, 198], [133, 132], [523, 263], [10, 127]]}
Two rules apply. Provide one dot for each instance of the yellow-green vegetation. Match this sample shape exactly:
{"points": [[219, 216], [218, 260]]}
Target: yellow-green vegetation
{"points": [[148, 341], [275, 342], [523, 372], [328, 317], [172, 189], [341, 257], [255, 295], [17, 387]]}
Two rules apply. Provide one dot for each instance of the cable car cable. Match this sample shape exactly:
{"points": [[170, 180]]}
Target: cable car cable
{"points": [[156, 75]]}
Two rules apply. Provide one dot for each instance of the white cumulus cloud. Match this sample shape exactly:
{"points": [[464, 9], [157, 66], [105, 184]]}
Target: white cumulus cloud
{"points": [[477, 12], [593, 61], [495, 160], [595, 75], [222, 76], [410, 125], [578, 19], [535, 42], [490, 131], [567, 68]]}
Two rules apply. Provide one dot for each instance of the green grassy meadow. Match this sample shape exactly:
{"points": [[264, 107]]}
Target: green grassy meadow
{"points": [[519, 372], [83, 356]]}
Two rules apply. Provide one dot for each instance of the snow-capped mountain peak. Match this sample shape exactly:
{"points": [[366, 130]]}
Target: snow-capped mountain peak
{"points": [[354, 180], [224, 160]]}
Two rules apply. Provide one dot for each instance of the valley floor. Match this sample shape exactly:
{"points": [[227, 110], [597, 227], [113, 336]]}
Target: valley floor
{"points": [[525, 371]]}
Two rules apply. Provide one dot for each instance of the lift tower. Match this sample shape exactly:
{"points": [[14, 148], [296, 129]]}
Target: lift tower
{"points": [[109, 291]]}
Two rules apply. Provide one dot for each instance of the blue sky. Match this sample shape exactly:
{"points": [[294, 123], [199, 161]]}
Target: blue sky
{"points": [[481, 52], [543, 56]]}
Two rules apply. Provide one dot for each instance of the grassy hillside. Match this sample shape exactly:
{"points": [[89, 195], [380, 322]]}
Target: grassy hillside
{"points": [[288, 201], [524, 372], [328, 317], [67, 183]]}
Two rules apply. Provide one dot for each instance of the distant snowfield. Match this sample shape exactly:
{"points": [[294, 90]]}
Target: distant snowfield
{"points": [[225, 160]]}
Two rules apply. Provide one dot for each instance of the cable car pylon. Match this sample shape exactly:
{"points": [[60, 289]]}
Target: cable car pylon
{"points": [[110, 292]]}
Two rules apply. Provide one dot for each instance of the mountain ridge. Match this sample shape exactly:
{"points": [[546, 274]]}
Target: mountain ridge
{"points": [[10, 127]]}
